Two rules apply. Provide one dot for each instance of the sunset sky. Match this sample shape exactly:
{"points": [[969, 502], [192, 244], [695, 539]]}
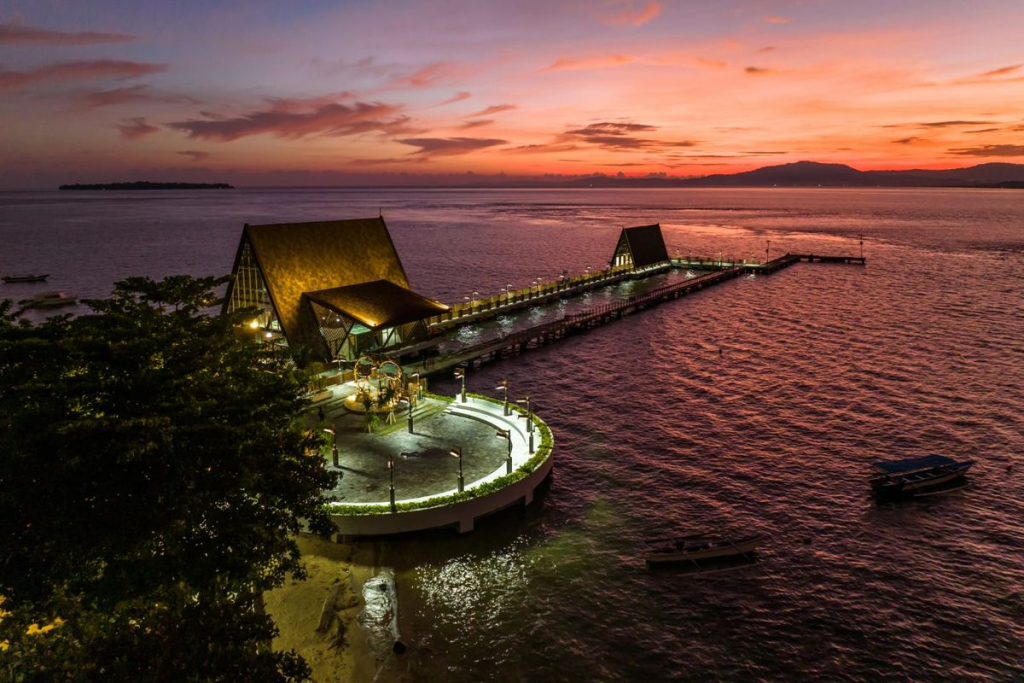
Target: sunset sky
{"points": [[273, 92]]}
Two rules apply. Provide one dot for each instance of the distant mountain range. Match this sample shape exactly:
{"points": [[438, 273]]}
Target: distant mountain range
{"points": [[814, 174]]}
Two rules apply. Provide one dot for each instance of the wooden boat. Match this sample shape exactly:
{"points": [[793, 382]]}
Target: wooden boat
{"points": [[916, 475], [698, 549], [11, 279], [49, 300]]}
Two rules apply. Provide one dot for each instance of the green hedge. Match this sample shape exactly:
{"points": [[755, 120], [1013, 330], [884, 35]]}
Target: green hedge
{"points": [[523, 471]]}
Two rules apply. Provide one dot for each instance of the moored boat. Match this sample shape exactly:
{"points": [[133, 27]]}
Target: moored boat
{"points": [[916, 475], [11, 279], [49, 300], [700, 549]]}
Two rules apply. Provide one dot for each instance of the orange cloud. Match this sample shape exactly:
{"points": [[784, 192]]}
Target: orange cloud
{"points": [[1002, 72], [990, 151], [773, 19], [450, 146], [630, 14], [14, 31], [135, 128], [77, 71], [758, 71]]}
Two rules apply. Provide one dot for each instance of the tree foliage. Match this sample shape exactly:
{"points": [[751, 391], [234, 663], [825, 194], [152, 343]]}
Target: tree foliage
{"points": [[153, 470]]}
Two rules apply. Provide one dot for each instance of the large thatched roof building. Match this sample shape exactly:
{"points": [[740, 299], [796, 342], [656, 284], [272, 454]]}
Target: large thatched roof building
{"points": [[334, 288], [640, 247]]}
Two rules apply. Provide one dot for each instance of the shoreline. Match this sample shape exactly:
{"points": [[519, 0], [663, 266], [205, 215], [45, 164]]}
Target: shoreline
{"points": [[345, 651]]}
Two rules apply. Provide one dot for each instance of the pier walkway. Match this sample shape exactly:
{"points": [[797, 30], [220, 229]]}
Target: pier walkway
{"points": [[546, 333]]}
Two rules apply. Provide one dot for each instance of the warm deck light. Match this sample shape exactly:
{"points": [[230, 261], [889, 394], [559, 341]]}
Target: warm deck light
{"points": [[255, 323]]}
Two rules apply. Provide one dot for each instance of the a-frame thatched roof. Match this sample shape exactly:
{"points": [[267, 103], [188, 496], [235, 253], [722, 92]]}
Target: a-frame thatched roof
{"points": [[645, 244], [296, 258]]}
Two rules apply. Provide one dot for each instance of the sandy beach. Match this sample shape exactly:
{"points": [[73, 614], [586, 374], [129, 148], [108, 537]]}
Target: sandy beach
{"points": [[344, 650]]}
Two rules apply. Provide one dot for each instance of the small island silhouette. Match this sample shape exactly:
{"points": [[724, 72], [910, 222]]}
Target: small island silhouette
{"points": [[146, 185]]}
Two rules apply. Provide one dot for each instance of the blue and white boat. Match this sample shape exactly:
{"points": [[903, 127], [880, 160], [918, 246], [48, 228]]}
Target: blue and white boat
{"points": [[916, 475]]}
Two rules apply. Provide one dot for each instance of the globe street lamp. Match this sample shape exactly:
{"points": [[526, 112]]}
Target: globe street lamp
{"points": [[408, 400], [504, 386], [391, 471], [507, 435], [334, 448], [456, 452], [460, 373]]}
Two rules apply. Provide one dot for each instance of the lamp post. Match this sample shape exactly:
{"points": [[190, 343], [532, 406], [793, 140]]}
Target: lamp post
{"points": [[408, 399], [507, 435], [334, 448], [504, 386], [456, 452], [341, 370], [529, 420], [460, 373], [508, 290], [255, 327], [862, 246], [767, 247], [391, 471]]}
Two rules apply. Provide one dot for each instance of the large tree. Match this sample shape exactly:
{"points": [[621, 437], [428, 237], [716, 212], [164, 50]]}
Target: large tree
{"points": [[153, 472]]}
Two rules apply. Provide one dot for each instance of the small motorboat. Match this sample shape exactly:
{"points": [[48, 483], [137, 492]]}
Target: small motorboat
{"points": [[698, 549], [49, 300], [11, 279], [914, 476]]}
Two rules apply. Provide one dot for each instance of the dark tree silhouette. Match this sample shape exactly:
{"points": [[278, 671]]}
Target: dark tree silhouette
{"points": [[153, 472]]}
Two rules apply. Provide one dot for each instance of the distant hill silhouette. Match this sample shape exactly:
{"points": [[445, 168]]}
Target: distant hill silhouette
{"points": [[814, 174]]}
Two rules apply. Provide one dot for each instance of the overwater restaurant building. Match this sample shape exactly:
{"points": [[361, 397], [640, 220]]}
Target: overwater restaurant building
{"points": [[640, 247], [334, 288]]}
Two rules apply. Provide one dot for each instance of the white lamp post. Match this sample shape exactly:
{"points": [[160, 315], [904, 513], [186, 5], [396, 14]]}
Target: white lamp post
{"points": [[456, 452], [507, 435], [334, 448], [460, 373], [504, 386]]}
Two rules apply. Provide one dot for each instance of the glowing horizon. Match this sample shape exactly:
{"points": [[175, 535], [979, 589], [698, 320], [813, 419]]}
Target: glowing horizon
{"points": [[266, 93]]}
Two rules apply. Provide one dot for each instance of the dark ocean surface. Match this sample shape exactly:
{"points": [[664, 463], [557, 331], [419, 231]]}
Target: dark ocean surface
{"points": [[823, 370]]}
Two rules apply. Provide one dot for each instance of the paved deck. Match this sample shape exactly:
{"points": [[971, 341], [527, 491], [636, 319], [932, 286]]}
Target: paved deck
{"points": [[423, 466]]}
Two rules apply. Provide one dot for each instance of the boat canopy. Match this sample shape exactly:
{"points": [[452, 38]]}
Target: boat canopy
{"points": [[911, 464]]}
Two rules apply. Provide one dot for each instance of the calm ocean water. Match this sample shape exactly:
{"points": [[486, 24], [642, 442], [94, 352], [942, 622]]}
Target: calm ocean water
{"points": [[824, 369]]}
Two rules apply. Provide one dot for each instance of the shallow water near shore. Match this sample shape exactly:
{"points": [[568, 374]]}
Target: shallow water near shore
{"points": [[755, 405]]}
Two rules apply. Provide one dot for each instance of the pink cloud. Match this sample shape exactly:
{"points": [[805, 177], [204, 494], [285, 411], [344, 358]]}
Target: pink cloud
{"points": [[477, 123], [594, 62], [630, 14], [774, 19], [135, 128], [429, 75], [493, 109], [457, 97], [77, 71], [195, 155], [14, 31], [129, 95], [296, 119]]}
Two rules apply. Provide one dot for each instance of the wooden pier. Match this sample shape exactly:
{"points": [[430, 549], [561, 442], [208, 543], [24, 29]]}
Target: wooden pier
{"points": [[546, 333]]}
